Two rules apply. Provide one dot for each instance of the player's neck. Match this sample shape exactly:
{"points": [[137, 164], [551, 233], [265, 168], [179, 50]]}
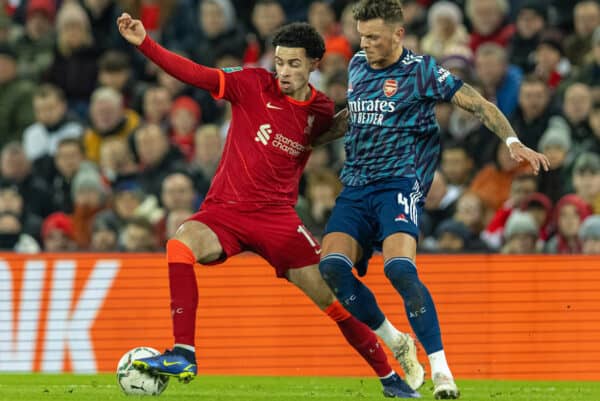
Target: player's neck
{"points": [[392, 59], [302, 94]]}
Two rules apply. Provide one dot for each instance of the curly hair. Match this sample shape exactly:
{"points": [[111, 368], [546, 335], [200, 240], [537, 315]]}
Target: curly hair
{"points": [[300, 34], [388, 10]]}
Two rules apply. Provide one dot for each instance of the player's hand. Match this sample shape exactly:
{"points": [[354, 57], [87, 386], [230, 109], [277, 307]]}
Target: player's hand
{"points": [[131, 29], [520, 152]]}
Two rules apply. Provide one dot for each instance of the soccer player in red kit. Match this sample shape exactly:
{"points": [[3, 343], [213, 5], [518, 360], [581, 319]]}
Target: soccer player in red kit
{"points": [[276, 119]]}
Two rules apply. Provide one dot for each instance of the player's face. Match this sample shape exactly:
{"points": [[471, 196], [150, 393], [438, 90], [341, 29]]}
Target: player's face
{"points": [[381, 41], [293, 67]]}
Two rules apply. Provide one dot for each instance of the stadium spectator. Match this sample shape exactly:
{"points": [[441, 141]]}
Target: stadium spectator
{"points": [[530, 22], [440, 204], [550, 65], [11, 201], [138, 236], [16, 108], [127, 198], [415, 18], [569, 214], [74, 68], [6, 28], [446, 30], [335, 88], [115, 71], [157, 157], [267, 17], [12, 238], [577, 105], [521, 187], [60, 171], [589, 235], [322, 188], [586, 179], [540, 207], [102, 15], [105, 234], [34, 45], [321, 16], [52, 123], [220, 32], [459, 61], [337, 55], [520, 234], [117, 161], [586, 18], [89, 197], [207, 155], [156, 105], [348, 27], [184, 118], [531, 117], [57, 233], [15, 167], [489, 19], [592, 144], [457, 166], [499, 80], [470, 212], [589, 72], [170, 22], [109, 119], [493, 182], [556, 145], [177, 194], [451, 237]]}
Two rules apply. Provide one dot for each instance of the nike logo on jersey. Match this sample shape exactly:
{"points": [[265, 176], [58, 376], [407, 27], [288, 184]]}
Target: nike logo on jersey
{"points": [[167, 364], [272, 106]]}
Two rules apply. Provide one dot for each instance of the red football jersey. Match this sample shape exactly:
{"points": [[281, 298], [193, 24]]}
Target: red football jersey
{"points": [[268, 142]]}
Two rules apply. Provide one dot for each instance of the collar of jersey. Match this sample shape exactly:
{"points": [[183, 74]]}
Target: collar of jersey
{"points": [[404, 53], [313, 95]]}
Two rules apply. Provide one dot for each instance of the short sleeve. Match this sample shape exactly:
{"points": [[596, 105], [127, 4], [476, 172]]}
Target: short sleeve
{"points": [[237, 83], [435, 82]]}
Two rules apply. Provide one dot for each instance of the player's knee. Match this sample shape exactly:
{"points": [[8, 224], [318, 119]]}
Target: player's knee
{"points": [[333, 269], [401, 272], [205, 249]]}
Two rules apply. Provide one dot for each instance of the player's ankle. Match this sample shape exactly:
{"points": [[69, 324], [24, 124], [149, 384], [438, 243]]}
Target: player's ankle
{"points": [[187, 351]]}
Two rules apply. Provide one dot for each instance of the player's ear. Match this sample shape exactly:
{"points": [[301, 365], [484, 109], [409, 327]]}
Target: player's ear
{"points": [[399, 34], [314, 63]]}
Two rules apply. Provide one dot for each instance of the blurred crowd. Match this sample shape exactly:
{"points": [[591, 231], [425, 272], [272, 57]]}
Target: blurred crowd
{"points": [[102, 151]]}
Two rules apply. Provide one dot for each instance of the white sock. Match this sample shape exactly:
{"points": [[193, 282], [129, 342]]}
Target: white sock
{"points": [[387, 332], [438, 363], [185, 346]]}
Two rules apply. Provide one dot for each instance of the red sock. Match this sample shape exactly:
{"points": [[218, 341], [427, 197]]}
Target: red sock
{"points": [[361, 338], [184, 291]]}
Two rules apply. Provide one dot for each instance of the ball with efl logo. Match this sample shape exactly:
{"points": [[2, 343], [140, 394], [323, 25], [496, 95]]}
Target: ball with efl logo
{"points": [[134, 382]]}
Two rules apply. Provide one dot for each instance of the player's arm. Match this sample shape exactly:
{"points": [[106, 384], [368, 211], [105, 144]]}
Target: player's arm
{"points": [[180, 67], [469, 99], [337, 130]]}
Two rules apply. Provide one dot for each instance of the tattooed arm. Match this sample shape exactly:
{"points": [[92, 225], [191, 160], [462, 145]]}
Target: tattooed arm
{"points": [[471, 100]]}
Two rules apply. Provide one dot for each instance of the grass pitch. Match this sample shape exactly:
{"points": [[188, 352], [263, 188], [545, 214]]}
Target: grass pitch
{"points": [[36, 387]]}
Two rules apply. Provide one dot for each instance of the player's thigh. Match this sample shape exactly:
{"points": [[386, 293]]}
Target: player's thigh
{"points": [[308, 279], [203, 241], [349, 230], [398, 210], [340, 242], [281, 239]]}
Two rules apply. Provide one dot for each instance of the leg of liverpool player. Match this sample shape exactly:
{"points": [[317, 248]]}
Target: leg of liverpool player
{"points": [[339, 253], [359, 336], [399, 251], [193, 242]]}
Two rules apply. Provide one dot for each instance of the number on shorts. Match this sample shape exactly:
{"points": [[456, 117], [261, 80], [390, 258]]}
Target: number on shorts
{"points": [[405, 202], [302, 230]]}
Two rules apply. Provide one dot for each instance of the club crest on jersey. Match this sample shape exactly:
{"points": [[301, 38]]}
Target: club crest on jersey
{"points": [[390, 87]]}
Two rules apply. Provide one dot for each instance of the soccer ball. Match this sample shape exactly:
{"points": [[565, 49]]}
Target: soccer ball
{"points": [[134, 382]]}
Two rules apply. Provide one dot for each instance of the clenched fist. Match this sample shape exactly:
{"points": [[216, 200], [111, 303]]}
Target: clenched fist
{"points": [[131, 29]]}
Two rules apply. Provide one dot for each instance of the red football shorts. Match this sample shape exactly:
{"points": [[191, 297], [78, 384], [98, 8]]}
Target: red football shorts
{"points": [[275, 233]]}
